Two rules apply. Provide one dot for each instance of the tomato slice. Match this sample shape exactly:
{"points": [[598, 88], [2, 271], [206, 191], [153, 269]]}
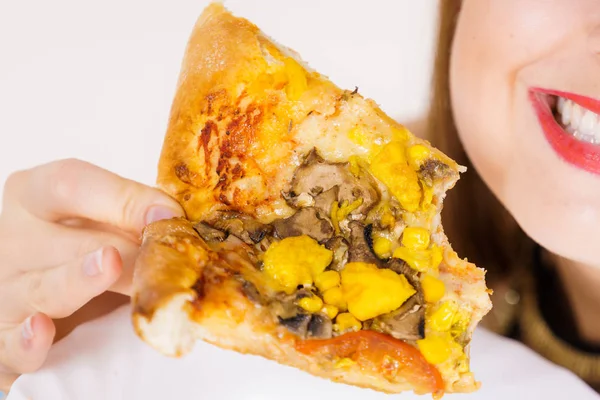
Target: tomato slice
{"points": [[383, 354]]}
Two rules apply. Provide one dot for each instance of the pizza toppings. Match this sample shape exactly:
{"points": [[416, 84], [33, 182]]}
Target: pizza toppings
{"points": [[380, 353], [352, 258], [295, 261], [363, 285]]}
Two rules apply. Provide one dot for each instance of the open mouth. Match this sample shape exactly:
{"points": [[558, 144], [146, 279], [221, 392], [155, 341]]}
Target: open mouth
{"points": [[571, 124]]}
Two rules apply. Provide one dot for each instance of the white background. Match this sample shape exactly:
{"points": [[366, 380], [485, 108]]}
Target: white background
{"points": [[95, 79]]}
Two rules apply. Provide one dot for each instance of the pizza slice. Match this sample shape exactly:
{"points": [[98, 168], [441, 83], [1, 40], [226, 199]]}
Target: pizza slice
{"points": [[312, 234]]}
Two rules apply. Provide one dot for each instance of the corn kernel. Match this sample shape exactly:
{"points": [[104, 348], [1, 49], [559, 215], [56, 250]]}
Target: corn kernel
{"points": [[295, 261], [330, 311], [297, 83], [363, 285], [335, 297], [441, 319], [436, 350], [417, 155], [345, 322], [311, 304], [327, 280], [391, 168], [382, 246], [415, 238], [433, 289], [344, 363]]}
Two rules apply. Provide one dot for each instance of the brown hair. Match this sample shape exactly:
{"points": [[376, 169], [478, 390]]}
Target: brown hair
{"points": [[478, 226]]}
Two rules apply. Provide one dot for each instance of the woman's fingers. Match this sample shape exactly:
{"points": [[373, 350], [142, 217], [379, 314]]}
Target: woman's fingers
{"points": [[74, 188], [23, 348], [82, 279], [61, 290]]}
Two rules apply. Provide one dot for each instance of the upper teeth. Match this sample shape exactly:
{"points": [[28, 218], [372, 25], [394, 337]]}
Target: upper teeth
{"points": [[580, 122]]}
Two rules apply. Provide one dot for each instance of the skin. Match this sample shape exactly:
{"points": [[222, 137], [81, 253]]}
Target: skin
{"points": [[69, 234], [501, 49]]}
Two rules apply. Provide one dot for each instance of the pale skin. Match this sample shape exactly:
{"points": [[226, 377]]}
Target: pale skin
{"points": [[502, 48], [69, 235]]}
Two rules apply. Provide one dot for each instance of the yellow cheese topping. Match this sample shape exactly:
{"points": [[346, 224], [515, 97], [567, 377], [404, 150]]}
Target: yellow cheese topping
{"points": [[370, 291], [438, 348], [391, 168], [441, 319], [297, 83], [327, 280], [335, 297], [417, 155], [339, 212], [295, 261]]}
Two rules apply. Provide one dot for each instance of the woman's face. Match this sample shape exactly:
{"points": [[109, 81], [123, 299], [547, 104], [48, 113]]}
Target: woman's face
{"points": [[525, 88]]}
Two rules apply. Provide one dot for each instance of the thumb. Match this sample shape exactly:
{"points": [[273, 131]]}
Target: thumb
{"points": [[74, 188]]}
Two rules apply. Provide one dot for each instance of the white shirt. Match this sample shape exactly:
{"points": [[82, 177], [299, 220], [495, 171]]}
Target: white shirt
{"points": [[95, 80], [104, 359]]}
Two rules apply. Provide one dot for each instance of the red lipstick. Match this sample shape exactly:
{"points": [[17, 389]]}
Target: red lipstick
{"points": [[577, 153]]}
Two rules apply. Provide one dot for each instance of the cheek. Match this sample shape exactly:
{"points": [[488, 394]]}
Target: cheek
{"points": [[501, 49], [480, 87]]}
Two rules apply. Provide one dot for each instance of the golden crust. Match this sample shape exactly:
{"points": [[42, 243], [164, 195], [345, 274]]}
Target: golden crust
{"points": [[245, 113]]}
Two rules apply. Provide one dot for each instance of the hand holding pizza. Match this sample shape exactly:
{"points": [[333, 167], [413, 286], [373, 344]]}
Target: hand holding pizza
{"points": [[69, 231]]}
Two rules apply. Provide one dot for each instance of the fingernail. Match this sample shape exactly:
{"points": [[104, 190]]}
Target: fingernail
{"points": [[158, 213], [92, 265], [27, 330]]}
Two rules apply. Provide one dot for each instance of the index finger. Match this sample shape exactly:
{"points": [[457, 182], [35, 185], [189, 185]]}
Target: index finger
{"points": [[75, 188]]}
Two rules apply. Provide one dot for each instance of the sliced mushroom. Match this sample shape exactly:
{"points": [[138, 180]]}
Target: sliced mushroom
{"points": [[298, 200], [297, 324], [319, 327], [306, 221], [361, 244], [316, 176], [406, 323], [324, 200], [339, 246], [208, 233], [251, 292], [401, 267], [242, 226], [433, 170]]}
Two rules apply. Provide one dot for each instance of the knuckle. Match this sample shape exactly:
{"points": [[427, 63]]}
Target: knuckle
{"points": [[63, 177], [13, 185], [130, 209]]}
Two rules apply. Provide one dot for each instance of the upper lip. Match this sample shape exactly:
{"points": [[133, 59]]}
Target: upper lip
{"points": [[579, 153], [586, 102]]}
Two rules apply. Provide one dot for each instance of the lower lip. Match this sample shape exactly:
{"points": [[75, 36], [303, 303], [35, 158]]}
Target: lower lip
{"points": [[575, 152]]}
